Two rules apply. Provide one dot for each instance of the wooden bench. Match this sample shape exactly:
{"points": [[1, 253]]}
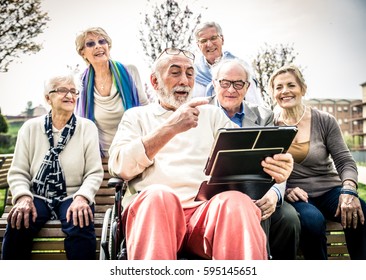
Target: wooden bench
{"points": [[49, 243], [336, 241], [5, 162]]}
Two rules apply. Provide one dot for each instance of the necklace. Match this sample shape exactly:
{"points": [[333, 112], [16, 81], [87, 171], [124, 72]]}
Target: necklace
{"points": [[295, 124], [102, 83]]}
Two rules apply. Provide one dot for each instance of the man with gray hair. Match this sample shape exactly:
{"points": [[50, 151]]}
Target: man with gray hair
{"points": [[280, 221], [161, 150], [210, 41]]}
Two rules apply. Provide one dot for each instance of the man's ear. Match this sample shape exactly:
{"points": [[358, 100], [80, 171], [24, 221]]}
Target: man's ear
{"points": [[214, 84], [154, 81], [222, 39]]}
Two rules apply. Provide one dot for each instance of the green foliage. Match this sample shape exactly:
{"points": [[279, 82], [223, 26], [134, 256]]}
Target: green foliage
{"points": [[362, 191], [348, 139], [2, 201], [8, 140], [268, 59], [14, 126], [20, 22], [3, 124], [170, 24]]}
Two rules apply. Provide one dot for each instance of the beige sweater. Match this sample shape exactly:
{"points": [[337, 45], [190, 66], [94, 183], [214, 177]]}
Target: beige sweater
{"points": [[80, 160], [179, 165], [108, 110]]}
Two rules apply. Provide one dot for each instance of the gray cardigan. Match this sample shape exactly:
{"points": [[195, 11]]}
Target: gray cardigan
{"points": [[329, 161], [256, 115]]}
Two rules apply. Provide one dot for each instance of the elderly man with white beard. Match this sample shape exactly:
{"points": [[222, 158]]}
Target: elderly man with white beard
{"points": [[161, 150]]}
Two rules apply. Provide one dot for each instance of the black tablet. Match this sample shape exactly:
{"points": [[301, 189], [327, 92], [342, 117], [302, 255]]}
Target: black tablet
{"points": [[250, 138], [236, 156]]}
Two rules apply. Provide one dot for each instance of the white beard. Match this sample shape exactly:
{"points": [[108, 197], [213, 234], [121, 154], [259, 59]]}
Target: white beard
{"points": [[170, 98]]}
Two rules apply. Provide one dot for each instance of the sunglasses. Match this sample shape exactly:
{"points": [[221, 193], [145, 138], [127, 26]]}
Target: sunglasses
{"points": [[238, 85], [92, 44], [63, 91], [175, 51]]}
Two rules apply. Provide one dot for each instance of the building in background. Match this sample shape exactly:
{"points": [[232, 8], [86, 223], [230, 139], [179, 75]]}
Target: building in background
{"points": [[350, 114], [34, 112]]}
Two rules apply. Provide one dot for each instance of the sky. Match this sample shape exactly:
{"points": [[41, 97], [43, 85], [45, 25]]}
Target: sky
{"points": [[328, 35]]}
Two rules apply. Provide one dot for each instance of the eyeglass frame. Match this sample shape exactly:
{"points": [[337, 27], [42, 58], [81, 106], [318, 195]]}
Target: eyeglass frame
{"points": [[92, 44], [213, 38], [232, 83], [190, 56], [58, 91]]}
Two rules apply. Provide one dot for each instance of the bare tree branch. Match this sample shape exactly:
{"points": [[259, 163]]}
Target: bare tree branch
{"points": [[170, 24], [268, 59], [20, 22]]}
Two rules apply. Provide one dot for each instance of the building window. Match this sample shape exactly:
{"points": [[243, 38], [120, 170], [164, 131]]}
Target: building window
{"points": [[354, 109], [340, 121], [339, 109], [345, 108], [330, 110], [355, 122], [345, 120], [324, 108]]}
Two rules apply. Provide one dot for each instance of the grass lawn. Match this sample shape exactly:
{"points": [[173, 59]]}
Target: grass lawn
{"points": [[2, 201], [14, 127], [362, 191]]}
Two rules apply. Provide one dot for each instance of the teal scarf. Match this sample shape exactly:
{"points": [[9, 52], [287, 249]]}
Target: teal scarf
{"points": [[123, 81]]}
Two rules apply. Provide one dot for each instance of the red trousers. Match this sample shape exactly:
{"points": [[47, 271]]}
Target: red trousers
{"points": [[227, 227]]}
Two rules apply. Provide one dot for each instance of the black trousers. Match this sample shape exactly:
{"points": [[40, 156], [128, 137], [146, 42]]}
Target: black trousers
{"points": [[283, 233], [80, 243]]}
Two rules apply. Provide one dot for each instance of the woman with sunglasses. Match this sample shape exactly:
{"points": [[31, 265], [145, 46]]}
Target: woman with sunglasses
{"points": [[109, 87], [55, 174]]}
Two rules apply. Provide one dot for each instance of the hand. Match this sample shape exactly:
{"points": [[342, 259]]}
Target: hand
{"points": [[21, 211], [296, 194], [186, 116], [80, 211], [267, 204], [349, 207], [279, 166]]}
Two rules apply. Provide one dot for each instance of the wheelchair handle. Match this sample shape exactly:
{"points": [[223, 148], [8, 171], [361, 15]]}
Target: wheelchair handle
{"points": [[116, 183]]}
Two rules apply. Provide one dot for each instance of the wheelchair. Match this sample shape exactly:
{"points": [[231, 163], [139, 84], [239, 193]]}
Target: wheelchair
{"points": [[113, 241], [113, 238]]}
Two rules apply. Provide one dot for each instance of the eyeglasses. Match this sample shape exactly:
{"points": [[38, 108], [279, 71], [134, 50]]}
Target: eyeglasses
{"points": [[212, 39], [174, 51], [236, 84], [92, 44], [63, 91]]}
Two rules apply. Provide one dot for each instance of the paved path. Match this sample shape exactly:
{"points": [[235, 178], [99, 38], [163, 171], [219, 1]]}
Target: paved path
{"points": [[362, 174]]}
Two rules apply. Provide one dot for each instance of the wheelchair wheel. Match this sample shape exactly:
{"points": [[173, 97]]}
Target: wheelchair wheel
{"points": [[112, 235], [103, 251]]}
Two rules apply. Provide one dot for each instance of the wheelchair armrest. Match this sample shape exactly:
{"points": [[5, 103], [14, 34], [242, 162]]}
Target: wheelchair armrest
{"points": [[116, 183]]}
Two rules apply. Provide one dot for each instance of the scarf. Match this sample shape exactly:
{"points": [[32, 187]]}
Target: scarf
{"points": [[50, 180], [203, 72], [123, 81]]}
